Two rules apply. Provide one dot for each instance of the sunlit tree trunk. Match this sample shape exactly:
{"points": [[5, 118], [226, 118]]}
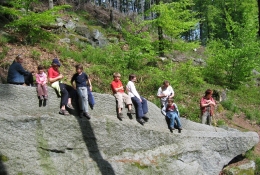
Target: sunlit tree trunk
{"points": [[50, 4]]}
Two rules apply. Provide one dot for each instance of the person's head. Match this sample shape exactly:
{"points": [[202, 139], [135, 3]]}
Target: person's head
{"points": [[19, 58], [208, 93], [116, 76], [132, 77], [55, 63], [40, 69], [166, 84], [170, 101], [79, 68]]}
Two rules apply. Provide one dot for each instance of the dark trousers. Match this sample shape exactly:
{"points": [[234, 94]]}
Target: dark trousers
{"points": [[91, 100], [28, 79], [141, 108], [66, 93]]}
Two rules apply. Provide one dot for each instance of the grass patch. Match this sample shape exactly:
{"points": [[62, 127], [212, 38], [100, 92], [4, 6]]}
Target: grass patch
{"points": [[35, 54], [221, 123], [3, 158]]}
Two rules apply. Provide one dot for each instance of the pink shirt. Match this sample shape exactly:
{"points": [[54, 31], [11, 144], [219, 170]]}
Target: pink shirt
{"points": [[41, 78]]}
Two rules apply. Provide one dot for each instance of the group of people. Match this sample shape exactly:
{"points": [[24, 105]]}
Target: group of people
{"points": [[80, 84], [81, 88], [133, 97]]}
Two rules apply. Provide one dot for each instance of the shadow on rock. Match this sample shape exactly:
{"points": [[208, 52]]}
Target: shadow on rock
{"points": [[92, 146], [2, 167]]}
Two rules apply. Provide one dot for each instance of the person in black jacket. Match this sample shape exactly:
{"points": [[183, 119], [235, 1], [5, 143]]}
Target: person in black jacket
{"points": [[18, 75]]}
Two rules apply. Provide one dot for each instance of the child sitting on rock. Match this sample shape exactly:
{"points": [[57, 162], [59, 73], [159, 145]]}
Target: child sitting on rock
{"points": [[172, 113], [120, 95], [41, 80], [81, 80]]}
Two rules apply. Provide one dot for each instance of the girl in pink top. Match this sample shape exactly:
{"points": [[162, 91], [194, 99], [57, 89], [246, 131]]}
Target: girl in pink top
{"points": [[41, 80]]}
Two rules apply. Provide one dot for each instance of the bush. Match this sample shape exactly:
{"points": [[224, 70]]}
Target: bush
{"points": [[221, 123], [257, 168], [29, 24], [35, 54], [229, 105]]}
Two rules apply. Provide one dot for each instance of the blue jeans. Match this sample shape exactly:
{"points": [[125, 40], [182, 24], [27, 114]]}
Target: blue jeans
{"points": [[172, 115], [83, 98], [141, 108]]}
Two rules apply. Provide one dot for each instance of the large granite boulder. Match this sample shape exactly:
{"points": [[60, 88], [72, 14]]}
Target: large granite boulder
{"points": [[37, 140]]}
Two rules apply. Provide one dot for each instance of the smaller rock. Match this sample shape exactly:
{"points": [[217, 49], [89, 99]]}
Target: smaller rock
{"points": [[58, 20], [65, 40], [70, 25], [248, 165]]}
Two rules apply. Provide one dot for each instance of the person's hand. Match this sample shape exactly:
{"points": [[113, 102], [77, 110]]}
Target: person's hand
{"points": [[90, 88], [140, 100], [60, 76]]}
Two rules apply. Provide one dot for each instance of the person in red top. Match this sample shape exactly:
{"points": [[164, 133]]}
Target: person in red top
{"points": [[207, 104], [120, 95], [64, 90]]}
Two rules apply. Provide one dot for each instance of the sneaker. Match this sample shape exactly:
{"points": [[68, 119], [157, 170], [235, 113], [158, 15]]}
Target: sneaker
{"points": [[141, 121], [69, 105], [131, 111], [87, 115], [120, 115], [64, 112], [179, 130], [91, 107]]}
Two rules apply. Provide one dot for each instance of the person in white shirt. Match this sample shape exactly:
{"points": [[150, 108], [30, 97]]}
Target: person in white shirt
{"points": [[139, 102], [165, 92]]}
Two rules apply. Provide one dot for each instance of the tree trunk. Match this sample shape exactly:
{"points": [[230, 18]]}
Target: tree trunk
{"points": [[50, 4], [160, 37]]}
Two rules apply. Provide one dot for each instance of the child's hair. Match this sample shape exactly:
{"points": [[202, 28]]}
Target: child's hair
{"points": [[131, 76], [208, 91], [164, 83], [116, 74], [40, 67], [170, 100], [79, 66]]}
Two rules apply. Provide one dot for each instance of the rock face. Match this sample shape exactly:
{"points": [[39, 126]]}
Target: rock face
{"points": [[37, 140]]}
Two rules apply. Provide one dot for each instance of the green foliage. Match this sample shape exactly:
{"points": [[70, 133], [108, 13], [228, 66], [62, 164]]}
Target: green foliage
{"points": [[46, 63], [35, 54], [229, 115], [189, 74], [29, 24], [257, 163], [221, 122], [230, 105], [173, 19], [250, 154], [3, 40], [233, 53], [3, 158], [4, 52]]}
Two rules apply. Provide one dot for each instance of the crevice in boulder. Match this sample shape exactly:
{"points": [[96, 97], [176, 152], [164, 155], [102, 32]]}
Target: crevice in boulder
{"points": [[53, 150], [236, 159]]}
